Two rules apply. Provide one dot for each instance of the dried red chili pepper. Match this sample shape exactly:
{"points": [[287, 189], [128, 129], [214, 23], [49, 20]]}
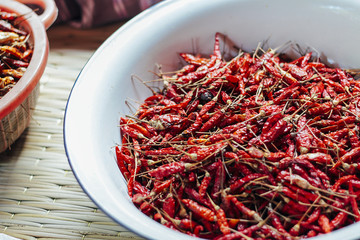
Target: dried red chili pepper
{"points": [[168, 169], [199, 210], [15, 51], [283, 136]]}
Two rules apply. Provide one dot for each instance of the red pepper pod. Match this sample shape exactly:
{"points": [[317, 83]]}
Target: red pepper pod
{"points": [[200, 211], [167, 170]]}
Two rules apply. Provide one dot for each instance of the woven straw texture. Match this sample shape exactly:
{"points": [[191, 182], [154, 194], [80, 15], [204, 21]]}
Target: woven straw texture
{"points": [[39, 195], [14, 124]]}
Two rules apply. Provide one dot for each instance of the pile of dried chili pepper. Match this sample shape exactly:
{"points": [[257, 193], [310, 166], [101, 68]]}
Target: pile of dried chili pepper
{"points": [[256, 147], [15, 50]]}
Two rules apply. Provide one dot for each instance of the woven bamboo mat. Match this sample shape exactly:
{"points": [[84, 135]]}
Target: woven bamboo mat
{"points": [[39, 195]]}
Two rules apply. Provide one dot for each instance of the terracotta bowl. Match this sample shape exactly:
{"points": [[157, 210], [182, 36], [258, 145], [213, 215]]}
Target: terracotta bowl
{"points": [[16, 105]]}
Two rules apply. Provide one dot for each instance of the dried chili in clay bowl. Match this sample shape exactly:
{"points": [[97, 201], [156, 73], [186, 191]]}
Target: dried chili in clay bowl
{"points": [[17, 104], [112, 83]]}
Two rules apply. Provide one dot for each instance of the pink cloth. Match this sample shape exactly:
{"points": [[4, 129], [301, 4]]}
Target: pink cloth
{"points": [[93, 13]]}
